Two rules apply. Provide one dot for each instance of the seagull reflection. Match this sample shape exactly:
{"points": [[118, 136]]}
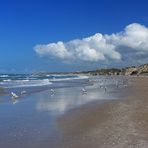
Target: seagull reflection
{"points": [[14, 100]]}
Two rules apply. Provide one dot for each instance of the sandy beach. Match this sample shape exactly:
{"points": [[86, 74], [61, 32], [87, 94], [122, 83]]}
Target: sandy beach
{"points": [[116, 124], [69, 119]]}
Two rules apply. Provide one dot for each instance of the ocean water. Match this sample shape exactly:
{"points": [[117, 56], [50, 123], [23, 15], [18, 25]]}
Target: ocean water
{"points": [[24, 85], [31, 83]]}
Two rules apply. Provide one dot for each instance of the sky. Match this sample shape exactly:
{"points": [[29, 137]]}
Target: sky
{"points": [[72, 35]]}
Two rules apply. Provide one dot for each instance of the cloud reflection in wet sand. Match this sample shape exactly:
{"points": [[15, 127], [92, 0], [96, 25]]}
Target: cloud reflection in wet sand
{"points": [[68, 98]]}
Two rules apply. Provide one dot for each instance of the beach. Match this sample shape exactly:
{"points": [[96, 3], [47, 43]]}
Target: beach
{"points": [[114, 124], [70, 119]]}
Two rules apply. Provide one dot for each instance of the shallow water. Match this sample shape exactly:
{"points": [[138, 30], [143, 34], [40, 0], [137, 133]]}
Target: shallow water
{"points": [[30, 121]]}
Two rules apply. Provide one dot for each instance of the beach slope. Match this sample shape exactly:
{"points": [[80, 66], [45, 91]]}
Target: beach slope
{"points": [[115, 124]]}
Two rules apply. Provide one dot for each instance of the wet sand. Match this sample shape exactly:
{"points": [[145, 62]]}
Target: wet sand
{"points": [[115, 124], [1, 91]]}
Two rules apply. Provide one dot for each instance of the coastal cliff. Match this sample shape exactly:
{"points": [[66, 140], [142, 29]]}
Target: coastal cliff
{"points": [[140, 70]]}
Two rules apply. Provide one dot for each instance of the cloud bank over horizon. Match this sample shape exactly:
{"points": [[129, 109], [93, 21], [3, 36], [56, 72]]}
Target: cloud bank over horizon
{"points": [[126, 47]]}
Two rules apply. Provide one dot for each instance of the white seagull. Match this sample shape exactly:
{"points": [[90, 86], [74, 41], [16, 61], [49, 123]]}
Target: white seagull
{"points": [[52, 91], [84, 90], [23, 92], [14, 95]]}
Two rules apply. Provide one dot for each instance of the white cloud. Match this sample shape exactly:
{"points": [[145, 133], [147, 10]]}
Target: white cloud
{"points": [[130, 44], [134, 36], [53, 49]]}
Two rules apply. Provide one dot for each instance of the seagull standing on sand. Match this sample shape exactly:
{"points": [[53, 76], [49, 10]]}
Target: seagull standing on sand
{"points": [[84, 91], [23, 92], [14, 98], [52, 91], [14, 95], [101, 85]]}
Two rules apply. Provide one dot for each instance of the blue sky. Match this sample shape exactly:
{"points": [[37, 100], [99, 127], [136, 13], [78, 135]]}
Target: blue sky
{"points": [[24, 24]]}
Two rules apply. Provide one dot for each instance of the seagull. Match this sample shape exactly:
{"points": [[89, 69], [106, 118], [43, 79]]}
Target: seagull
{"points": [[14, 95], [52, 91], [84, 90], [23, 92], [14, 98], [125, 85], [101, 85]]}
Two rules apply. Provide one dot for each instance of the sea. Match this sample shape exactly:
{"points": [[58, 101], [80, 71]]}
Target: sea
{"points": [[27, 84], [31, 83]]}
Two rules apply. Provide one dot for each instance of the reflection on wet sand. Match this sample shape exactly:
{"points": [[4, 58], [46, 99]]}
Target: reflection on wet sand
{"points": [[66, 99], [2, 91]]}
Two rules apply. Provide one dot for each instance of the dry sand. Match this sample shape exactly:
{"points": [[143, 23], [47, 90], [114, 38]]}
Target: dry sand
{"points": [[117, 124]]}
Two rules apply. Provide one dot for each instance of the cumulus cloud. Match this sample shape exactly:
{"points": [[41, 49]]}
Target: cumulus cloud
{"points": [[131, 44]]}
